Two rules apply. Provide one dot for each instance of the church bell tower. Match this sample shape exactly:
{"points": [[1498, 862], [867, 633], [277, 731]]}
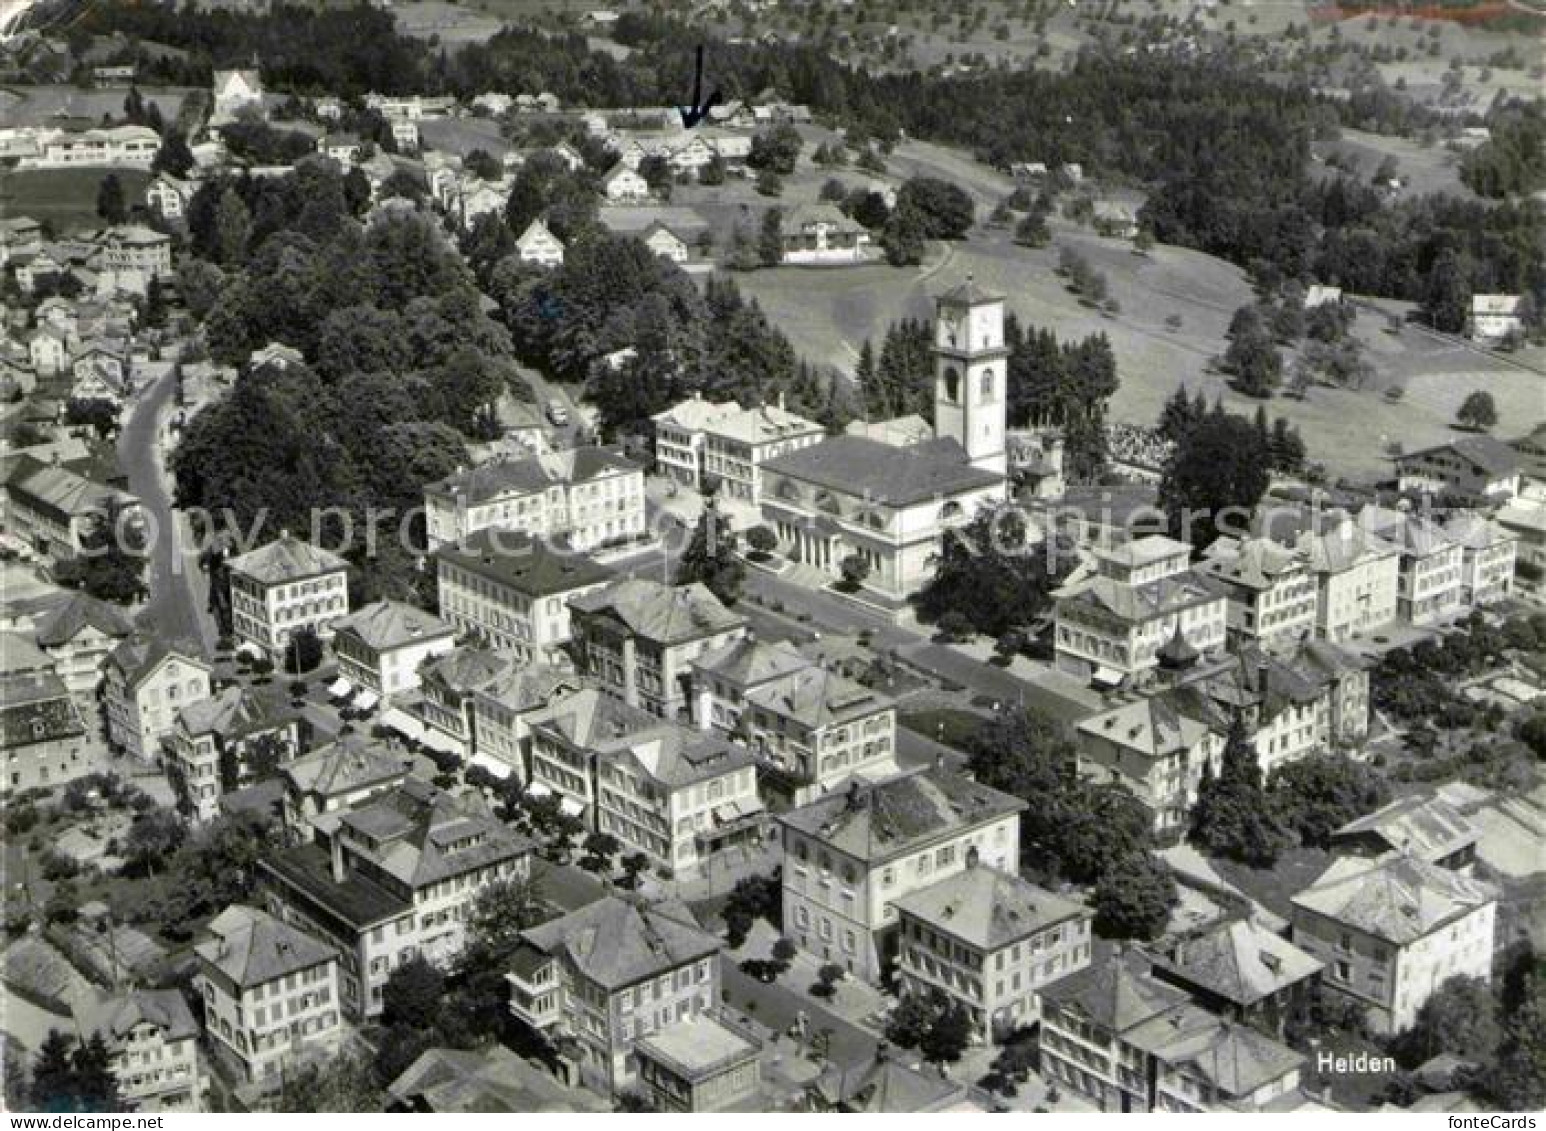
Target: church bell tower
{"points": [[971, 373]]}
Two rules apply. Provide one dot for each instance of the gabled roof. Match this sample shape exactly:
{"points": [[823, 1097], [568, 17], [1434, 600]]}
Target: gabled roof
{"points": [[233, 713], [1488, 453], [1152, 726], [1398, 898], [287, 559], [885, 1086], [530, 687], [989, 909], [118, 1016], [660, 613], [749, 662], [816, 697], [139, 658], [36, 707], [1254, 563], [420, 834], [1425, 826], [348, 764], [881, 820], [857, 465], [77, 613], [1240, 961], [251, 947], [616, 944], [467, 669], [18, 654], [1233, 1058], [535, 231]]}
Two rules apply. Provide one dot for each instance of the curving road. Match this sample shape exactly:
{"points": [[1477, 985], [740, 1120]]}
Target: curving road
{"points": [[178, 593]]}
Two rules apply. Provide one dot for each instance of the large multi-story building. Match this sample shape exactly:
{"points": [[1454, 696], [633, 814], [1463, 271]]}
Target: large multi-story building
{"points": [[55, 511], [1115, 614], [1157, 747], [215, 743], [1241, 970], [1357, 579], [809, 728], [989, 940], [679, 796], [137, 249], [283, 588], [270, 994], [450, 683], [611, 974], [1392, 930], [126, 146], [1430, 581], [639, 638], [1488, 554], [78, 635], [42, 736], [512, 591], [1271, 592], [591, 496], [700, 443], [1480, 468], [145, 684], [381, 646], [152, 1046], [341, 775], [502, 713], [393, 878], [849, 856]]}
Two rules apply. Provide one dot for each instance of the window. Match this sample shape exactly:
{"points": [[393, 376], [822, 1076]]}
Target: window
{"points": [[986, 384], [952, 384]]}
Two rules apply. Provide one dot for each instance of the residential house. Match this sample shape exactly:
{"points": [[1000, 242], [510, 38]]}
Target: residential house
{"points": [[1241, 971], [591, 496], [138, 250], [988, 940], [1271, 592], [381, 646], [1495, 317], [1115, 218], [600, 979], [102, 373], [1318, 295], [539, 245], [703, 444], [883, 1085], [78, 634], [126, 146], [54, 510], [821, 234], [405, 135], [450, 684], [622, 185], [285, 587], [850, 855], [638, 638], [1525, 520], [152, 1045], [1115, 614], [1422, 825], [809, 728], [666, 243], [679, 796], [49, 349], [345, 148], [216, 746], [503, 711], [43, 740], [168, 196], [1479, 468], [270, 994], [1487, 558], [145, 683], [391, 879], [341, 775], [1392, 930], [512, 591], [1429, 585], [1357, 579]]}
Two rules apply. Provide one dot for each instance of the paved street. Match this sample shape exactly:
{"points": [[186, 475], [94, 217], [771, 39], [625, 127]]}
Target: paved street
{"points": [[778, 1008], [178, 591]]}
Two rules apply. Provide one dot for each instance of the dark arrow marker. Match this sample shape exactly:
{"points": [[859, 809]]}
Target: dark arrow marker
{"points": [[699, 108]]}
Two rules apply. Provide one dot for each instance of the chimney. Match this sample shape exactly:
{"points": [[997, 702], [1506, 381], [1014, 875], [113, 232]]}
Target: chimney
{"points": [[853, 794], [781, 398]]}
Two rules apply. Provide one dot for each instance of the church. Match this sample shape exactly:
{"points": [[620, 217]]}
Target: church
{"points": [[891, 503]]}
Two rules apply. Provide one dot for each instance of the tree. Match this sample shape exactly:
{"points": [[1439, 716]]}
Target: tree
{"points": [[345, 1082], [776, 150], [599, 849], [948, 1035], [1217, 472], [855, 568], [1459, 1018], [753, 897], [1143, 242], [97, 413], [111, 565], [762, 540], [711, 558], [232, 229], [1255, 361], [903, 238], [151, 841], [1133, 900], [770, 239], [74, 1076], [991, 574], [945, 210], [1032, 230], [1231, 816], [1516, 1079], [1317, 795], [174, 156], [1178, 416], [1479, 412], [413, 994], [111, 205], [304, 651], [1446, 297], [909, 1022], [769, 183]]}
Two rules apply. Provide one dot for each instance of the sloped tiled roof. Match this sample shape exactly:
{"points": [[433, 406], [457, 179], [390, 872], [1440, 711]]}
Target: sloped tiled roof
{"points": [[232, 713], [420, 834], [616, 944], [1153, 726], [1116, 994], [78, 612], [881, 820], [138, 657], [988, 908], [531, 566], [749, 662], [1425, 826], [856, 465], [1488, 453], [661, 613], [884, 1086], [1240, 961], [1399, 898], [18, 654], [815, 697], [117, 1016], [1235, 1059], [352, 762], [385, 625], [251, 947], [36, 707], [1254, 563], [286, 559]]}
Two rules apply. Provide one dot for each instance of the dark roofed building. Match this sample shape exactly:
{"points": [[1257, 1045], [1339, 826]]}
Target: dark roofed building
{"points": [[41, 733]]}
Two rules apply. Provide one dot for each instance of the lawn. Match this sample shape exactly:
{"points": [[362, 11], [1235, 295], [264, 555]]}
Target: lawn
{"points": [[949, 725], [67, 198]]}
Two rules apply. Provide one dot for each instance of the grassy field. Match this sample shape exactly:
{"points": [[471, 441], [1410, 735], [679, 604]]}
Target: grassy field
{"points": [[1422, 169], [67, 198], [37, 105], [451, 24]]}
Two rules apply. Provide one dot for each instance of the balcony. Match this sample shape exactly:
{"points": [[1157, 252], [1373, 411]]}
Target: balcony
{"points": [[534, 990]]}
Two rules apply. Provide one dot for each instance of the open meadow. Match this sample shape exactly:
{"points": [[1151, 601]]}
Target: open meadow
{"points": [[67, 198]]}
